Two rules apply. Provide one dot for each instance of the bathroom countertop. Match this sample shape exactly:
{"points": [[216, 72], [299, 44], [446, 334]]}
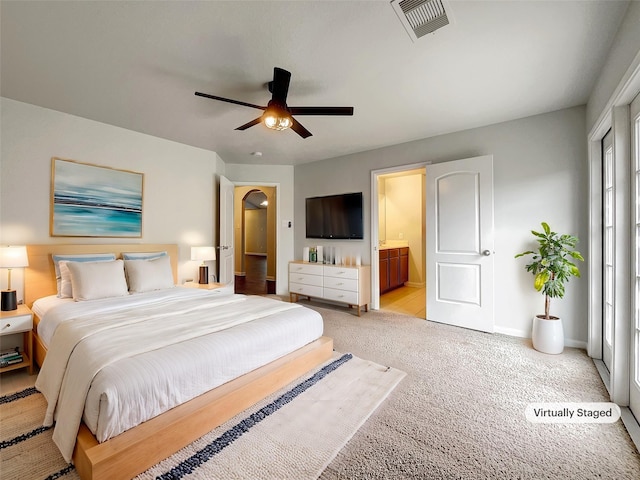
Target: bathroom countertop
{"points": [[393, 244]]}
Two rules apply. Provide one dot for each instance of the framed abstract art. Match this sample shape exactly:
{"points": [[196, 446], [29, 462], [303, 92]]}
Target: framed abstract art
{"points": [[94, 201]]}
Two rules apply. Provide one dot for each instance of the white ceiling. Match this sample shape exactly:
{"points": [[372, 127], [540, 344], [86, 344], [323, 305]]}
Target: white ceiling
{"points": [[137, 65]]}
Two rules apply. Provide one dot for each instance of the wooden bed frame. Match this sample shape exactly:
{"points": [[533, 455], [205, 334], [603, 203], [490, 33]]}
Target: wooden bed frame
{"points": [[138, 449]]}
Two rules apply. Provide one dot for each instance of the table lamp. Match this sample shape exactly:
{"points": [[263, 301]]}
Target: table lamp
{"points": [[204, 254], [12, 257]]}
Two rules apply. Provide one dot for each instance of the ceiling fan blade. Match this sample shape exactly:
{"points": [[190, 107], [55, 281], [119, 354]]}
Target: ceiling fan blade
{"points": [[280, 86], [321, 110], [299, 129], [250, 124], [228, 100]]}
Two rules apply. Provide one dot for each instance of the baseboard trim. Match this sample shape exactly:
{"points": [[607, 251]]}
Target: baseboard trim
{"points": [[513, 332], [604, 373], [632, 425]]}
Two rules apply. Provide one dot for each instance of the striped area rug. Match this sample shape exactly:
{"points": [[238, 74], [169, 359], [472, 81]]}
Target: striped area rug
{"points": [[294, 433]]}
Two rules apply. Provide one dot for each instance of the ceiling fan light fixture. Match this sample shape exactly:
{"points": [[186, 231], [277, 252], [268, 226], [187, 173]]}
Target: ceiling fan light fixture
{"points": [[277, 115], [277, 119]]}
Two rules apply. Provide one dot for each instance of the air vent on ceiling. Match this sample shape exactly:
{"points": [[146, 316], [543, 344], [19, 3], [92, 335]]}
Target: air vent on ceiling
{"points": [[421, 17]]}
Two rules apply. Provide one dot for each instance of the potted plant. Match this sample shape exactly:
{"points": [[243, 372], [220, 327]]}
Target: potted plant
{"points": [[552, 266]]}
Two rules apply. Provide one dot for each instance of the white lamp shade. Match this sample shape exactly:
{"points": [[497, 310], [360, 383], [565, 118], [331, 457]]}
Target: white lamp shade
{"points": [[13, 257], [203, 254]]}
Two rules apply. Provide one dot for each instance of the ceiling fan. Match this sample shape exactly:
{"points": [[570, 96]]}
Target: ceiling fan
{"points": [[277, 114]]}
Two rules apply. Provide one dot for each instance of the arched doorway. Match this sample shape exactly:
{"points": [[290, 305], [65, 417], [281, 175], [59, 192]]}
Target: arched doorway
{"points": [[255, 242]]}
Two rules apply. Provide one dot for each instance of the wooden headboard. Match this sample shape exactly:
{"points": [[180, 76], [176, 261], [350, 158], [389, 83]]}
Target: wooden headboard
{"points": [[40, 275]]}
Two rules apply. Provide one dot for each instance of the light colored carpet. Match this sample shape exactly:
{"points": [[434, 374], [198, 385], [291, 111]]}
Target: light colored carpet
{"points": [[294, 433], [460, 413]]}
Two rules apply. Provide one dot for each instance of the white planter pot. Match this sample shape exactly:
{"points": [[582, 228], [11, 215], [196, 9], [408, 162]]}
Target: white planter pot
{"points": [[548, 335]]}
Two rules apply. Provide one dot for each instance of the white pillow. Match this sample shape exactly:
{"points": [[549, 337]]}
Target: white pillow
{"points": [[147, 275], [63, 277], [64, 290], [142, 255], [93, 280]]}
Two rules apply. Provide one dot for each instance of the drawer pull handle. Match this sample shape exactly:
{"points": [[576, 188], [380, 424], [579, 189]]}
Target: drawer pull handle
{"points": [[7, 326]]}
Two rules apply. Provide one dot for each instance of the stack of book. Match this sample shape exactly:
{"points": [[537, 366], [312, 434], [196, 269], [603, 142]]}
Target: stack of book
{"points": [[10, 357]]}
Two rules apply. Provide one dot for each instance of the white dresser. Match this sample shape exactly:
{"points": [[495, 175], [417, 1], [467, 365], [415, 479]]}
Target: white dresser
{"points": [[338, 283]]}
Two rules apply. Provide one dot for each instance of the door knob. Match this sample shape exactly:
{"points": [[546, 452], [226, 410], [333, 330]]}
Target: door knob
{"points": [[486, 253]]}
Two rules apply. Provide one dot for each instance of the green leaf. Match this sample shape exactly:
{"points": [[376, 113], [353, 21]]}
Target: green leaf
{"points": [[547, 230], [540, 280], [576, 255]]}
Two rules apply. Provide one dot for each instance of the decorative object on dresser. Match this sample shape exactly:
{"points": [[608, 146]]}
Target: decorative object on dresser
{"points": [[94, 201], [394, 268], [12, 257], [339, 283], [19, 320], [204, 254]]}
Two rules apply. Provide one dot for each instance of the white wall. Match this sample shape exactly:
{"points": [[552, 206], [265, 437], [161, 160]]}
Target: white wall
{"points": [[255, 237], [623, 57], [539, 175], [282, 177], [179, 181]]}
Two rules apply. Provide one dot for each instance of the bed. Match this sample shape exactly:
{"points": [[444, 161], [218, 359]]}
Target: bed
{"points": [[262, 354]]}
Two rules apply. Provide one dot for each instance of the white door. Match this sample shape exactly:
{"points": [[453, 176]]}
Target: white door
{"points": [[634, 391], [460, 243], [226, 232]]}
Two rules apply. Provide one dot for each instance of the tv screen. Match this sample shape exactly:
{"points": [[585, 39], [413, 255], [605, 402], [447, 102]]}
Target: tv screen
{"points": [[335, 216]]}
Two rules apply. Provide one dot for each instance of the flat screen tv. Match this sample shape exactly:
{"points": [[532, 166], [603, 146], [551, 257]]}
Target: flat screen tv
{"points": [[335, 217]]}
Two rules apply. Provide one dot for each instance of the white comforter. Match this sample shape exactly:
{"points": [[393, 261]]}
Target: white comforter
{"points": [[140, 358]]}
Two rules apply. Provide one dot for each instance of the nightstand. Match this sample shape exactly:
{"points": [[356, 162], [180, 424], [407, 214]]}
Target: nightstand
{"points": [[204, 286], [19, 321]]}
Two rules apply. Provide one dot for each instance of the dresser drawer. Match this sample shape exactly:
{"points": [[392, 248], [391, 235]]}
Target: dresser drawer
{"points": [[17, 324], [308, 268], [348, 284], [340, 272], [301, 289], [341, 296], [305, 278]]}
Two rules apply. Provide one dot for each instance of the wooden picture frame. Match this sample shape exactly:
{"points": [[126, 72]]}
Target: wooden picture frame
{"points": [[95, 201]]}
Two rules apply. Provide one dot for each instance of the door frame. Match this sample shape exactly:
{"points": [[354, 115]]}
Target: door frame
{"points": [[375, 259], [615, 116], [616, 378], [277, 226]]}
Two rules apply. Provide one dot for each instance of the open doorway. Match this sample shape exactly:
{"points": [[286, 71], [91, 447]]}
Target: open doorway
{"points": [[255, 239], [401, 240]]}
